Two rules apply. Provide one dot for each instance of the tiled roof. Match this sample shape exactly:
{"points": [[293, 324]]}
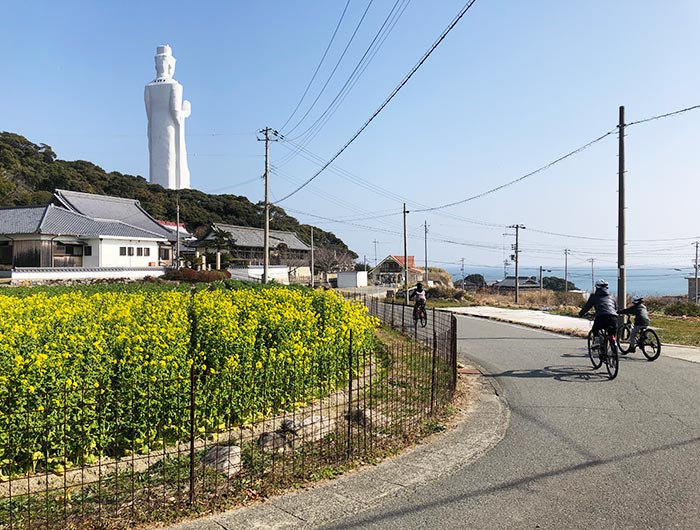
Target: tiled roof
{"points": [[246, 236], [54, 220], [104, 207]]}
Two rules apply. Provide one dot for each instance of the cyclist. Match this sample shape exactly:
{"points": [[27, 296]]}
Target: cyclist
{"points": [[641, 319], [605, 310], [420, 297]]}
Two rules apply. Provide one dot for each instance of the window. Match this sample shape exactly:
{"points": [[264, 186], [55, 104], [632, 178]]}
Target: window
{"points": [[130, 251], [139, 251], [122, 251], [87, 250], [164, 253], [146, 251]]}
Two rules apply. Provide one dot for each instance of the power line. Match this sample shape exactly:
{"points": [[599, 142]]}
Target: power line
{"points": [[337, 64], [575, 151], [388, 99], [335, 32], [660, 116]]}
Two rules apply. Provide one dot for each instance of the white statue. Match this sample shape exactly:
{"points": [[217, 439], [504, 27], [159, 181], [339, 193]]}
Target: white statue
{"points": [[166, 125]]}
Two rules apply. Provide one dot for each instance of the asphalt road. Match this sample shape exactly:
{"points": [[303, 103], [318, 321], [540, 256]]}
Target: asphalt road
{"points": [[581, 452]]}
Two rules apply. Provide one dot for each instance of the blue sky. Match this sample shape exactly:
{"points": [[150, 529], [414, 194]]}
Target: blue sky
{"points": [[514, 86]]}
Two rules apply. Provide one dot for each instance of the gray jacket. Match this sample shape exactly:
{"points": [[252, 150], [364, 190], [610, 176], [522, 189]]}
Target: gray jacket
{"points": [[603, 302], [640, 313]]}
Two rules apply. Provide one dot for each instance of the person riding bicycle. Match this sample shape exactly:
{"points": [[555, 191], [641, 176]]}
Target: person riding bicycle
{"points": [[641, 319], [420, 297], [605, 310]]}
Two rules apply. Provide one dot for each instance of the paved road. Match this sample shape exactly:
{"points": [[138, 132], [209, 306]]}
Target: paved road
{"points": [[581, 452]]}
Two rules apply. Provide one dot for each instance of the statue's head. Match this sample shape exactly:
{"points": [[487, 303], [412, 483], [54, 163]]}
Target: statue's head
{"points": [[165, 62]]}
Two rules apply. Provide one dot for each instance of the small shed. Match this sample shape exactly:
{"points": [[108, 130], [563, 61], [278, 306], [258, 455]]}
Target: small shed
{"points": [[352, 279]]}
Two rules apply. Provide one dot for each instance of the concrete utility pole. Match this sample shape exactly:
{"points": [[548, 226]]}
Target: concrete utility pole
{"points": [[177, 230], [463, 281], [621, 274], [425, 223], [266, 243], [696, 271], [517, 251], [505, 268], [312, 258], [375, 251], [541, 271], [405, 254], [592, 275], [566, 270]]}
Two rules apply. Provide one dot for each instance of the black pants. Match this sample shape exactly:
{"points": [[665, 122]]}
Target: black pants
{"points": [[606, 322]]}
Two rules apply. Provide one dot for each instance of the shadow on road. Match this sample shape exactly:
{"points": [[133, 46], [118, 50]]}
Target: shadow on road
{"points": [[568, 374]]}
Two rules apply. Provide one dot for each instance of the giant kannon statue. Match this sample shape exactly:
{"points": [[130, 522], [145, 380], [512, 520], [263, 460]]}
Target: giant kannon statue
{"points": [[166, 124]]}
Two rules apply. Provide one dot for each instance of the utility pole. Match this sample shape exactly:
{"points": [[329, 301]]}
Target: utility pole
{"points": [[592, 275], [266, 244], [405, 254], [696, 271], [566, 270], [425, 224], [177, 230], [621, 274], [312, 258], [505, 268], [542, 269], [375, 251], [517, 251], [463, 281]]}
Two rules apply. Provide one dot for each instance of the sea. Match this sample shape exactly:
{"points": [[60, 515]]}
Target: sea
{"points": [[668, 281]]}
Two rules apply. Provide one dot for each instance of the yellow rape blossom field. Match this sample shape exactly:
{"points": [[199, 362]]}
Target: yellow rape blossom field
{"points": [[85, 375]]}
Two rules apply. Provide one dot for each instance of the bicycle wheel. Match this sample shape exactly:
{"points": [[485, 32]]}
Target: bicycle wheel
{"points": [[611, 359], [651, 345], [594, 354], [623, 338], [423, 319]]}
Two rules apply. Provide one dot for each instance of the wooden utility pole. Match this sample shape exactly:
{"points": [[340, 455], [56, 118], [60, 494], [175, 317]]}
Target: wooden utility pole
{"points": [[621, 273], [266, 243], [517, 251]]}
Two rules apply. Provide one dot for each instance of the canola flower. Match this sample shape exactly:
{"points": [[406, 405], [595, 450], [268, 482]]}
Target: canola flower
{"points": [[109, 372]]}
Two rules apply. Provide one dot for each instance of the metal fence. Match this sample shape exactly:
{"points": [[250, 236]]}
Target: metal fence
{"points": [[72, 460]]}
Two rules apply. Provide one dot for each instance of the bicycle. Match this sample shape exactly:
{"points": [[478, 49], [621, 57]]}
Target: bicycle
{"points": [[419, 315], [647, 340], [605, 352]]}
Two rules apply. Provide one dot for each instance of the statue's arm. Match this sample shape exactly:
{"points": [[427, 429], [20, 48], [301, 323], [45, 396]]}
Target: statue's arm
{"points": [[147, 101], [186, 109], [176, 103]]}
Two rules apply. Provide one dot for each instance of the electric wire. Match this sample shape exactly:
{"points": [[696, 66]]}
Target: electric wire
{"points": [[391, 96], [313, 77]]}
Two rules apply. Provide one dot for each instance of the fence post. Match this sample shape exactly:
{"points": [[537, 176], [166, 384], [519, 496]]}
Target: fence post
{"points": [[403, 318], [392, 316], [349, 449], [432, 373], [453, 352], [192, 431]]}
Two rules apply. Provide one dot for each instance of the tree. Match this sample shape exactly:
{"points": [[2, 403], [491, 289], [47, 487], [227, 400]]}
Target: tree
{"points": [[476, 279], [557, 284], [332, 260]]}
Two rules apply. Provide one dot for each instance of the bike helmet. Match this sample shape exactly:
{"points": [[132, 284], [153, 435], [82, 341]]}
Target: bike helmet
{"points": [[419, 285], [637, 300], [601, 283]]}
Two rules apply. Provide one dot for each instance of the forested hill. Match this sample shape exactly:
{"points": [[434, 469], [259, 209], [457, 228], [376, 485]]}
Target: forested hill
{"points": [[29, 173]]}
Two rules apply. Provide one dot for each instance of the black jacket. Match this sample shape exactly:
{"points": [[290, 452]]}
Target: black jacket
{"points": [[640, 313], [603, 302]]}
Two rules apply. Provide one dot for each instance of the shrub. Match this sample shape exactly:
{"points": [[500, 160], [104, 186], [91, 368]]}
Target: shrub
{"points": [[682, 308], [191, 275]]}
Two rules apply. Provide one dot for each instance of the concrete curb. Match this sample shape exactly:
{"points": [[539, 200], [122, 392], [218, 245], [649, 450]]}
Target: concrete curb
{"points": [[479, 429]]}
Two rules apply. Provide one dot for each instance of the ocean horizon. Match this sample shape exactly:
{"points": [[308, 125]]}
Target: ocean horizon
{"points": [[643, 281]]}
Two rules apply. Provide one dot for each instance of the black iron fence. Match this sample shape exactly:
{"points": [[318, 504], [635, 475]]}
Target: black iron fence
{"points": [[69, 459]]}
